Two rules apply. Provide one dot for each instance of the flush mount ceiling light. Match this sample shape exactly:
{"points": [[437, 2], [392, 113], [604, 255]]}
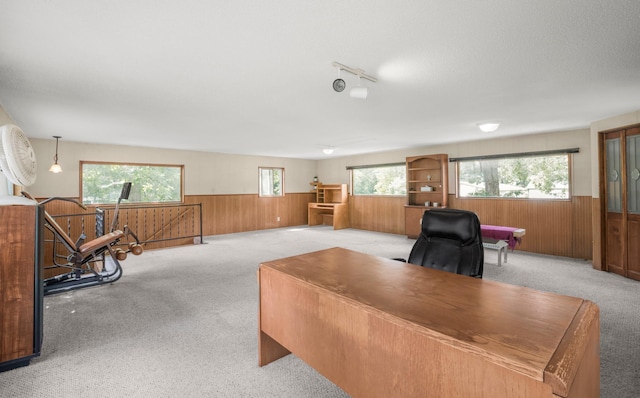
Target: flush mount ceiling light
{"points": [[359, 92], [489, 127], [328, 150], [55, 167]]}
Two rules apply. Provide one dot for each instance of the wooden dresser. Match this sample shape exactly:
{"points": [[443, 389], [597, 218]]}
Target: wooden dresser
{"points": [[21, 235]]}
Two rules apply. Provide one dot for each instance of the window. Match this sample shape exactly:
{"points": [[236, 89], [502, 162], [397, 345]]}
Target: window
{"points": [[529, 176], [271, 181], [101, 183], [389, 179]]}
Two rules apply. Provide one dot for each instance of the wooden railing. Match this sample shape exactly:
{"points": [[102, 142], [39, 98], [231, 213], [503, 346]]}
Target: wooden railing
{"points": [[155, 226]]}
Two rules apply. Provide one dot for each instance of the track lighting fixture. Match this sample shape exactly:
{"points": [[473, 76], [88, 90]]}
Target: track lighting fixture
{"points": [[55, 167], [358, 92]]}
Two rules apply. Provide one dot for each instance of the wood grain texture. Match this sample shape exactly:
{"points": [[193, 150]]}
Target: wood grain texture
{"points": [[378, 213], [633, 248], [574, 369], [380, 328], [223, 214], [598, 234], [561, 228], [17, 299]]}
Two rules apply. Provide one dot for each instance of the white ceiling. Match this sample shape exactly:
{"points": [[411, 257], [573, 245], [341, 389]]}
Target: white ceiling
{"points": [[255, 77]]}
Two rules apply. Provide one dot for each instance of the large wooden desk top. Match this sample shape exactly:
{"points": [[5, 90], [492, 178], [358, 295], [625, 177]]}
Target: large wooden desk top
{"points": [[542, 336]]}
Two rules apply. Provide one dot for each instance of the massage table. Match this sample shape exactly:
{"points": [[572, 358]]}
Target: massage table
{"points": [[501, 238]]}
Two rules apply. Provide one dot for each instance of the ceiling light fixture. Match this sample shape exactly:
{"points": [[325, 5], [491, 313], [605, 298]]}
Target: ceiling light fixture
{"points": [[328, 150], [359, 92], [55, 167], [489, 127]]}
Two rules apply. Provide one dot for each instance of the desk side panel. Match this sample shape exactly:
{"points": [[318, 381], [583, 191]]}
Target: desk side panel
{"points": [[268, 349]]}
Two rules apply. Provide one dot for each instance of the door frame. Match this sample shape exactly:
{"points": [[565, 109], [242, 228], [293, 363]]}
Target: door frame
{"points": [[603, 196]]}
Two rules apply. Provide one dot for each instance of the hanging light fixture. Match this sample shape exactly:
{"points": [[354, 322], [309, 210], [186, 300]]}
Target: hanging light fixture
{"points": [[55, 167]]}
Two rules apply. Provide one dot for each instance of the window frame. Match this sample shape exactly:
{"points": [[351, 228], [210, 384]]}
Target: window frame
{"points": [[282, 176], [140, 164], [566, 152]]}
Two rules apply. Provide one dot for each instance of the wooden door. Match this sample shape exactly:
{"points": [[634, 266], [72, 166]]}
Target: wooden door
{"points": [[621, 176]]}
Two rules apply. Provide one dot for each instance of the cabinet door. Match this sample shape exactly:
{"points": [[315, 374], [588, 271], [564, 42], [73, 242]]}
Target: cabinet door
{"points": [[412, 221]]}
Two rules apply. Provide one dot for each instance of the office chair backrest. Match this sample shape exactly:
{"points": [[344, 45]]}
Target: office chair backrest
{"points": [[450, 241]]}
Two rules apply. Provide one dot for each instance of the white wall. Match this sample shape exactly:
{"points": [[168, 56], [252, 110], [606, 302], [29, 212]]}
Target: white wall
{"points": [[334, 170], [4, 117], [205, 173]]}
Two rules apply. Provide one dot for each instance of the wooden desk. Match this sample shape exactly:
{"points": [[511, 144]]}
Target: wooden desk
{"points": [[336, 214], [382, 328]]}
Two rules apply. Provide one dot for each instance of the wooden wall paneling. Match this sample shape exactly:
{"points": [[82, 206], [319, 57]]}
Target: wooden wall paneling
{"points": [[377, 213], [297, 205], [582, 227], [597, 235], [560, 228], [267, 212]]}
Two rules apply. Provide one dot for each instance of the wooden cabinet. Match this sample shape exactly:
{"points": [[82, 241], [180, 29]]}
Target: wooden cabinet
{"points": [[331, 206], [427, 187], [20, 285]]}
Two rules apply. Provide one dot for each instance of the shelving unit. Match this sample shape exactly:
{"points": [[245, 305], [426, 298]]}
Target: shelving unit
{"points": [[425, 172], [331, 206]]}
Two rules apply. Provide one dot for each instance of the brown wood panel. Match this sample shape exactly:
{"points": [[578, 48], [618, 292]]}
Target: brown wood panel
{"points": [[597, 234], [17, 300], [614, 238], [633, 249], [223, 214], [412, 221], [377, 213], [561, 228]]}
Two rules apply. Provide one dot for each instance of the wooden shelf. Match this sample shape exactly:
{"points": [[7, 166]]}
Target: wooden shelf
{"points": [[431, 170]]}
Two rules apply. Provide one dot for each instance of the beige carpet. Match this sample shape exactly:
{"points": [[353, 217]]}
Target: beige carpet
{"points": [[183, 322]]}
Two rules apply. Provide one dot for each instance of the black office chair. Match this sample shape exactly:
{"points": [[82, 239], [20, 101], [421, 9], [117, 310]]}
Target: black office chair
{"points": [[450, 241]]}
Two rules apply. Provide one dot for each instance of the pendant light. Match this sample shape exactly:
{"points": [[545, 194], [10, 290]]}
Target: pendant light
{"points": [[55, 167]]}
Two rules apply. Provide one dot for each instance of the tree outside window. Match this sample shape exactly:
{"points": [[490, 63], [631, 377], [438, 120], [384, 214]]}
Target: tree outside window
{"points": [[380, 180], [535, 177], [102, 182]]}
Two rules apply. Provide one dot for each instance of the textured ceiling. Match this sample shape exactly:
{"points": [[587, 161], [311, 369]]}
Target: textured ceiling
{"points": [[254, 77]]}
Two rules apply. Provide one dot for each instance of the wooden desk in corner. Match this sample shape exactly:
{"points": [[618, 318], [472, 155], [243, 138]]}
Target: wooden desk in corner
{"points": [[331, 206], [382, 328]]}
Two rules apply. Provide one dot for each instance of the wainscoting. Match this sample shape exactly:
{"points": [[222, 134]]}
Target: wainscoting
{"points": [[225, 214], [562, 228]]}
